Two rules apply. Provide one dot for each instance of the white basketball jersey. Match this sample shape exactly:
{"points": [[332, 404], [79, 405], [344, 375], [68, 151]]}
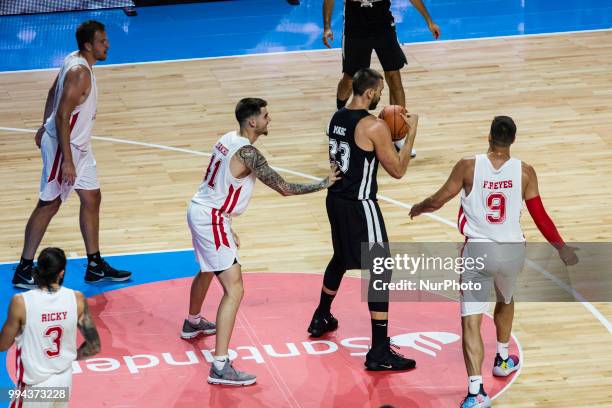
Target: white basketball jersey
{"points": [[492, 210], [220, 190], [83, 116], [47, 344]]}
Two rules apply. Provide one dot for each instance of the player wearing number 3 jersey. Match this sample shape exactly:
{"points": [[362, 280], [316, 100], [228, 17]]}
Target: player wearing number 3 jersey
{"points": [[43, 324], [224, 193], [493, 187]]}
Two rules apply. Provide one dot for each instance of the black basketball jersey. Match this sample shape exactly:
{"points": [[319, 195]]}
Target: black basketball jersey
{"points": [[363, 18], [358, 167]]}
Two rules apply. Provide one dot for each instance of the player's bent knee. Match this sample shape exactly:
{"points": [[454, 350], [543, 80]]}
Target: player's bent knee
{"points": [[394, 79], [50, 206], [347, 78], [90, 198], [471, 323], [236, 291], [333, 274]]}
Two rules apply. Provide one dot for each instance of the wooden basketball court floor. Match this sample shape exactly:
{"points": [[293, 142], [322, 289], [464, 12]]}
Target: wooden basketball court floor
{"points": [[154, 118]]}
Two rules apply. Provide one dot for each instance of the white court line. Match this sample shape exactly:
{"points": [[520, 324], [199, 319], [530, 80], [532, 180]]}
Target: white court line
{"points": [[511, 36], [572, 292], [518, 372], [272, 368], [589, 306]]}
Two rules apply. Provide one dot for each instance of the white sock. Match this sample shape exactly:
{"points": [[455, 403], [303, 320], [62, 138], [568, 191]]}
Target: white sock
{"points": [[194, 319], [474, 382], [219, 361], [502, 350]]}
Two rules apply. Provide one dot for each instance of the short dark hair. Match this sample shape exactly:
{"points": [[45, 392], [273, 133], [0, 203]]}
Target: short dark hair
{"points": [[249, 107], [503, 131], [365, 79], [51, 262], [86, 32]]}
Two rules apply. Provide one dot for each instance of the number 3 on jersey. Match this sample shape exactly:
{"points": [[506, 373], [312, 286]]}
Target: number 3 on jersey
{"points": [[496, 206], [55, 333], [345, 153]]}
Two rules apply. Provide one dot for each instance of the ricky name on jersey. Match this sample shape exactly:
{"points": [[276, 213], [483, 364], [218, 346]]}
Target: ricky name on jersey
{"points": [[53, 317]]}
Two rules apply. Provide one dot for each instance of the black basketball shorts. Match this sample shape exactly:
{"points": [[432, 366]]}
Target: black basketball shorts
{"points": [[354, 222], [357, 52]]}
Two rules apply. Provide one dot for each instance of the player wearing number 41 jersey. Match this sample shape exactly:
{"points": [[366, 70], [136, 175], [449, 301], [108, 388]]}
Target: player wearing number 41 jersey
{"points": [[493, 187], [224, 193], [43, 324]]}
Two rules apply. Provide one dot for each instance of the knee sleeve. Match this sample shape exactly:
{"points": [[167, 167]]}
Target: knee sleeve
{"points": [[378, 306], [333, 274]]}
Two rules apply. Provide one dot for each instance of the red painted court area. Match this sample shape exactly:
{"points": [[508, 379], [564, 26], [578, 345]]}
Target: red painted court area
{"points": [[144, 363]]}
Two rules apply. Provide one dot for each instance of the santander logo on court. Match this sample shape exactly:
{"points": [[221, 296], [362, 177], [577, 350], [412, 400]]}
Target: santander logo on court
{"points": [[424, 342], [144, 363]]}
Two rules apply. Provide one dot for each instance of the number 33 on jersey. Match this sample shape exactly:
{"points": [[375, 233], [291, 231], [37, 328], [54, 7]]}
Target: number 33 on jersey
{"points": [[359, 167]]}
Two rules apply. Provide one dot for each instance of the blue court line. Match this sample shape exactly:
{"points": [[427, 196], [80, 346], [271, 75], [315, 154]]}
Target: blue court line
{"points": [[146, 268], [243, 27]]}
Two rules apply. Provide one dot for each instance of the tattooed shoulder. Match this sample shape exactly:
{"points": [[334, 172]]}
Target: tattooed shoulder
{"points": [[251, 157]]}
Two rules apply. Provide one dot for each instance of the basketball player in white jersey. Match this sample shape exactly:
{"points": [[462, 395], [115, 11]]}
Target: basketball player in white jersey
{"points": [[68, 162], [224, 193], [43, 324], [493, 187]]}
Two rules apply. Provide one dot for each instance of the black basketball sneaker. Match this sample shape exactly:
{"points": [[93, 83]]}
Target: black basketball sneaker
{"points": [[384, 358], [102, 271], [23, 277], [321, 324]]}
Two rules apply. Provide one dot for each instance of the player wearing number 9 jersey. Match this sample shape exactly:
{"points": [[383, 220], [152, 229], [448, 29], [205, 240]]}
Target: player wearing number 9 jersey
{"points": [[224, 193], [358, 141], [43, 324], [493, 187]]}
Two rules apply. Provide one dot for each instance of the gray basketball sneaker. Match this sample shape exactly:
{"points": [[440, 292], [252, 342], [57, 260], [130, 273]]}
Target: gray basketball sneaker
{"points": [[190, 331], [229, 376]]}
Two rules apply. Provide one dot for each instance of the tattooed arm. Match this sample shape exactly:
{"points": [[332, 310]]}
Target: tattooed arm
{"points": [[253, 160], [87, 327]]}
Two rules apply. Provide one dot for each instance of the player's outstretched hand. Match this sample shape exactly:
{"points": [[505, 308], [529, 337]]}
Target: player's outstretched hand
{"points": [[39, 134], [417, 210], [328, 37], [568, 255], [334, 175], [435, 30]]}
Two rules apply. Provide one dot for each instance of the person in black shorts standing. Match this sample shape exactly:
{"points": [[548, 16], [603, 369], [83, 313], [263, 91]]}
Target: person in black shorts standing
{"points": [[369, 25], [358, 141]]}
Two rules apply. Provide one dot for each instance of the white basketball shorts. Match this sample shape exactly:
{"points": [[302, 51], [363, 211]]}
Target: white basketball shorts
{"points": [[52, 183], [212, 238], [502, 264]]}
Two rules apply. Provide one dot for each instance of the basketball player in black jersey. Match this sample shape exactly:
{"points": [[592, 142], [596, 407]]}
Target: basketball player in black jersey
{"points": [[369, 25], [358, 141]]}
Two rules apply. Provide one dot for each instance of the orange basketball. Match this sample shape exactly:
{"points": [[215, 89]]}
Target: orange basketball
{"points": [[392, 115]]}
